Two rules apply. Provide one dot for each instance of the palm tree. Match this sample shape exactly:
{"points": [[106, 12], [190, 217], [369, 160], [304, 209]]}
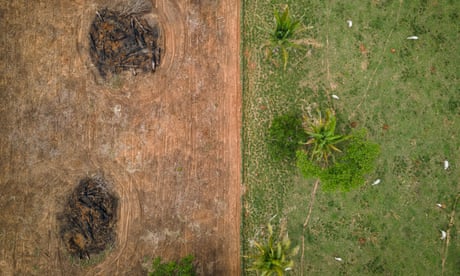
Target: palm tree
{"points": [[322, 140], [273, 257], [281, 38]]}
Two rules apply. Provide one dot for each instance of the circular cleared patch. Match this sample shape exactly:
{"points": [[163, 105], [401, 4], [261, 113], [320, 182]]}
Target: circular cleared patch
{"points": [[89, 218], [125, 39]]}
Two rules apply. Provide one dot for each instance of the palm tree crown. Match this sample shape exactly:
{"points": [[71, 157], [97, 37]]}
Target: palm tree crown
{"points": [[273, 257], [322, 139]]}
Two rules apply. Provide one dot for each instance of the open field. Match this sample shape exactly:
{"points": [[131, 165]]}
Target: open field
{"points": [[406, 93], [167, 142]]}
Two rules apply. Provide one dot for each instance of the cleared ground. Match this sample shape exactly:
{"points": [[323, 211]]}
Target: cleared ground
{"points": [[168, 142]]}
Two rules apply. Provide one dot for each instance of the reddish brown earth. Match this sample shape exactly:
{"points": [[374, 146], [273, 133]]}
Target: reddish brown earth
{"points": [[168, 142]]}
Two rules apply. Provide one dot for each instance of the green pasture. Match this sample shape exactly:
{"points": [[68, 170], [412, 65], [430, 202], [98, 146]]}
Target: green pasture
{"points": [[405, 93]]}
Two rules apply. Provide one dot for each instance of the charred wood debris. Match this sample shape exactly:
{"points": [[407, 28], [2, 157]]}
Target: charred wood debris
{"points": [[123, 42], [89, 218]]}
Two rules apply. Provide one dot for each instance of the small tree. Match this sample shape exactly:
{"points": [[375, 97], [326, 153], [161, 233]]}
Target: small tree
{"points": [[322, 139], [273, 257], [282, 36]]}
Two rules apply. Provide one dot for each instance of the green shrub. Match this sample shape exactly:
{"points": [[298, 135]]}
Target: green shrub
{"points": [[349, 169], [308, 167], [285, 135], [182, 268]]}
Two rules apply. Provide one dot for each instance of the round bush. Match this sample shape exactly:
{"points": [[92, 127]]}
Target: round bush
{"points": [[285, 135]]}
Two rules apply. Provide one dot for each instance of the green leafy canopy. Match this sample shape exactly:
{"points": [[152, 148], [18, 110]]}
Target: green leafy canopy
{"points": [[349, 169]]}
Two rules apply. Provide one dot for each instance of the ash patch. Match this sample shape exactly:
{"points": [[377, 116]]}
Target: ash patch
{"points": [[123, 40], [89, 218]]}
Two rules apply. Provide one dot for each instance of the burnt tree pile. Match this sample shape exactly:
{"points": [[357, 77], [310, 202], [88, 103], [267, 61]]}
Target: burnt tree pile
{"points": [[89, 218], [123, 41]]}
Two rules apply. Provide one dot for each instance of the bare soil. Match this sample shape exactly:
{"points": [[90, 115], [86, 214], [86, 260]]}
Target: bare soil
{"points": [[168, 142]]}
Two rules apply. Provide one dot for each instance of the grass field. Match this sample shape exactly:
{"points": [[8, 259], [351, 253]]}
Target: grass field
{"points": [[406, 93]]}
